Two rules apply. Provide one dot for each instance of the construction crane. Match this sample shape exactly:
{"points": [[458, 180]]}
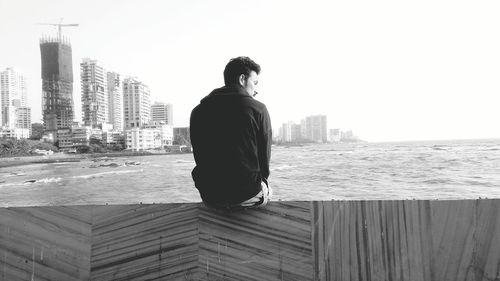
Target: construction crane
{"points": [[59, 26]]}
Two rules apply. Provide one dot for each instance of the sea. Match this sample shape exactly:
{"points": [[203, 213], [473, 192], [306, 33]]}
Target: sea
{"points": [[443, 170]]}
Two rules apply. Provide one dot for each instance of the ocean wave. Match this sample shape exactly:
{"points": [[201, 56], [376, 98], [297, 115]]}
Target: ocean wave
{"points": [[186, 161], [14, 174], [106, 173], [3, 184], [437, 181], [44, 180], [282, 167], [30, 182], [476, 183]]}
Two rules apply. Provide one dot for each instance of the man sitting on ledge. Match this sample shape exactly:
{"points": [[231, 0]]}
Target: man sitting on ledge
{"points": [[231, 136]]}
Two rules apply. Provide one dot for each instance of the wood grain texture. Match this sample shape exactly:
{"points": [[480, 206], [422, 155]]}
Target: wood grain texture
{"points": [[319, 240], [45, 243], [264, 244], [144, 242], [406, 240]]}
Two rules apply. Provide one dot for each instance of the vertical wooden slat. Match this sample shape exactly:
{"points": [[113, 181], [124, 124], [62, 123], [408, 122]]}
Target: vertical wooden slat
{"points": [[486, 262], [361, 236], [426, 239], [452, 250]]}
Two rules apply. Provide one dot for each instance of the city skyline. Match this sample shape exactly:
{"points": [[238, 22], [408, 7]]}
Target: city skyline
{"points": [[389, 71]]}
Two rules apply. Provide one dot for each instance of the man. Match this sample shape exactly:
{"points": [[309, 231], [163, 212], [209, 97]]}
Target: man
{"points": [[231, 136]]}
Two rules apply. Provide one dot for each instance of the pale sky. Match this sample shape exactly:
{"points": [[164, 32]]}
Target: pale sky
{"points": [[388, 70]]}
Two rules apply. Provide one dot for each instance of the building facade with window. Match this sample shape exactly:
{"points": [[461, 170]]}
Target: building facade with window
{"points": [[136, 103], [140, 139], [57, 83], [95, 100], [162, 112]]}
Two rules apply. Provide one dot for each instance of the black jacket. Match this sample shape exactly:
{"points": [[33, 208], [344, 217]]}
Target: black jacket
{"points": [[231, 136]]}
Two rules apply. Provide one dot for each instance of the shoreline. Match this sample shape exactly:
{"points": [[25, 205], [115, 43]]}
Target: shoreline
{"points": [[60, 157]]}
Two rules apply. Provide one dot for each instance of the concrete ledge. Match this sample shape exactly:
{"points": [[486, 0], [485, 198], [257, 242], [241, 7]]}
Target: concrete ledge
{"points": [[318, 240]]}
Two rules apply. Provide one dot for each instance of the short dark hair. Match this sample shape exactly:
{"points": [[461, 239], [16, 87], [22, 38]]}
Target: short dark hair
{"points": [[237, 66]]}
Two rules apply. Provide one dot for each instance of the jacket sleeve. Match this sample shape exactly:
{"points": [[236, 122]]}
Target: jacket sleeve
{"points": [[265, 138]]}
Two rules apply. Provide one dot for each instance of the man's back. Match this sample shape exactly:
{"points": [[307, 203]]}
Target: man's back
{"points": [[231, 137]]}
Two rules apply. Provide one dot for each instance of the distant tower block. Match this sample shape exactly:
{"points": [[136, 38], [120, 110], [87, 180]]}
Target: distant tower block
{"points": [[115, 100], [95, 110], [13, 95], [57, 81], [136, 103], [162, 112]]}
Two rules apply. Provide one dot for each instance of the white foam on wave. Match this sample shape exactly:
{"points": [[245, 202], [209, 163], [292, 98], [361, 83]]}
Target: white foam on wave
{"points": [[186, 161], [106, 173], [282, 167], [10, 184], [13, 174], [48, 180], [31, 181]]}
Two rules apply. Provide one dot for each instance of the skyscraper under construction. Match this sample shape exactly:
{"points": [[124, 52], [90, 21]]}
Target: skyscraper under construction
{"points": [[57, 83]]}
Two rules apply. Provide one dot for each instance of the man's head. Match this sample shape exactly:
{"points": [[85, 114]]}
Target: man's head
{"points": [[243, 72]]}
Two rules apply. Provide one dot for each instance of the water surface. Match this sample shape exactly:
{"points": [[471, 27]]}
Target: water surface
{"points": [[388, 171]]}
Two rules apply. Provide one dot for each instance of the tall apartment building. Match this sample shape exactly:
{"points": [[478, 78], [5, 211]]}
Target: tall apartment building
{"points": [[162, 112], [13, 95], [303, 131], [94, 93], [115, 100], [23, 118], [57, 83], [296, 132], [316, 128], [290, 132], [334, 135], [136, 103], [286, 132]]}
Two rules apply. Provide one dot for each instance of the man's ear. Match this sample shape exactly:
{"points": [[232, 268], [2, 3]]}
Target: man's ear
{"points": [[242, 80]]}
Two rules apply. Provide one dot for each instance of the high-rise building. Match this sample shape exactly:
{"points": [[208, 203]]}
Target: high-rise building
{"points": [[115, 100], [303, 126], [94, 93], [162, 112], [13, 95], [290, 132], [57, 83], [347, 136], [286, 132], [296, 132], [136, 103], [334, 135], [23, 118], [316, 128]]}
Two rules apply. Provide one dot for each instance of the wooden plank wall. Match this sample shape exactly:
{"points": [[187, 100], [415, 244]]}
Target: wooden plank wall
{"points": [[144, 242], [268, 244], [45, 243], [319, 240]]}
